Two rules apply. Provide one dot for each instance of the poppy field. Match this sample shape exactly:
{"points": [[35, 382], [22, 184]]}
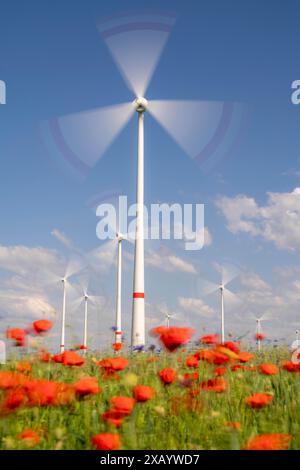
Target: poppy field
{"points": [[188, 396]]}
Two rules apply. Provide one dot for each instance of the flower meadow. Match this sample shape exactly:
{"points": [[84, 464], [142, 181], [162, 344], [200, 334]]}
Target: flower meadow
{"points": [[199, 395]]}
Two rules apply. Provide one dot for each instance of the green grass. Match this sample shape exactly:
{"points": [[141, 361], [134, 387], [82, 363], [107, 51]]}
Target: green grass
{"points": [[168, 421]]}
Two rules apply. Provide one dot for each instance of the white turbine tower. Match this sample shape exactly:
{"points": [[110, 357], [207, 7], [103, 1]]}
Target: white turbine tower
{"points": [[258, 329], [136, 42], [228, 274], [52, 278], [88, 300]]}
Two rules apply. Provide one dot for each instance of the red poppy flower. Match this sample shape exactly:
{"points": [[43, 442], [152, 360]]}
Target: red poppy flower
{"points": [[269, 442], [17, 334], [217, 385], [41, 392], [117, 346], [87, 386], [158, 330], [42, 326], [190, 376], [113, 364], [45, 356], [218, 358], [204, 355], [65, 394], [167, 376], [106, 441], [220, 371], [259, 400], [30, 437], [233, 425], [235, 347], [209, 339], [290, 366], [113, 417], [124, 405], [268, 369], [172, 338], [58, 358], [24, 367], [11, 379], [245, 357], [260, 336], [14, 399], [192, 361], [143, 392], [71, 358], [82, 347]]}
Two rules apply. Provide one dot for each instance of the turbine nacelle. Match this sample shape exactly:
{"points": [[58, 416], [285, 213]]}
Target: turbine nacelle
{"points": [[140, 104]]}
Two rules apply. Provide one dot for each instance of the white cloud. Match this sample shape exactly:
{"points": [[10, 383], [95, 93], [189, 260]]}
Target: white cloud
{"points": [[21, 305], [207, 237], [166, 261], [195, 306], [22, 259], [278, 221], [62, 238]]}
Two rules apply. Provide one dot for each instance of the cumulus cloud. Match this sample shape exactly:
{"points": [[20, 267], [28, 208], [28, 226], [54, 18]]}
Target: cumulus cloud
{"points": [[277, 221], [24, 306], [195, 306], [62, 238], [169, 262], [22, 259]]}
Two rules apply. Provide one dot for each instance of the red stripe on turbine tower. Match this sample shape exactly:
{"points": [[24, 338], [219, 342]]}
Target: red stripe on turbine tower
{"points": [[138, 295]]}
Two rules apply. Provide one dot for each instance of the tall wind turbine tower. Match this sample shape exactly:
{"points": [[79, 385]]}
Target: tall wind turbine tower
{"points": [[138, 305], [136, 41]]}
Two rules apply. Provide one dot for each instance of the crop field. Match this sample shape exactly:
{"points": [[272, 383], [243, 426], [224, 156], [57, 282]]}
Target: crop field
{"points": [[205, 396]]}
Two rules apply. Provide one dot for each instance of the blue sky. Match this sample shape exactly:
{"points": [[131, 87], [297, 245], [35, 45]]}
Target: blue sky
{"points": [[55, 62]]}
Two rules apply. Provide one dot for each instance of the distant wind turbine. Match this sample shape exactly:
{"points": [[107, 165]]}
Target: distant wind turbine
{"points": [[228, 273], [49, 278]]}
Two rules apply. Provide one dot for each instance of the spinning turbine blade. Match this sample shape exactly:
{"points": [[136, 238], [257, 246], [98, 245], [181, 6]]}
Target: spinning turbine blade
{"points": [[229, 272], [231, 298], [206, 287], [74, 266], [192, 124], [82, 138], [97, 300], [136, 43], [102, 258]]}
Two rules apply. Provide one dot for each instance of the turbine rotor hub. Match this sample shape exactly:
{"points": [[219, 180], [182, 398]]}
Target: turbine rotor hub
{"points": [[140, 104]]}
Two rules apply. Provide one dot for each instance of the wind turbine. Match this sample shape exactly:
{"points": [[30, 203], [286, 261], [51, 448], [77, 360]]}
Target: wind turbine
{"points": [[258, 333], [228, 274], [87, 299], [50, 278], [167, 314], [136, 43], [258, 329]]}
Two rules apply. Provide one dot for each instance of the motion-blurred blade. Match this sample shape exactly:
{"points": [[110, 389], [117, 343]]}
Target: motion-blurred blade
{"points": [[74, 266], [97, 300], [192, 124], [231, 299], [76, 304], [227, 271], [136, 43], [102, 258], [206, 287], [83, 138]]}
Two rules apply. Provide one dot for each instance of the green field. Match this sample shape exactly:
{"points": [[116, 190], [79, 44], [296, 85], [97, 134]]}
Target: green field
{"points": [[181, 415]]}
